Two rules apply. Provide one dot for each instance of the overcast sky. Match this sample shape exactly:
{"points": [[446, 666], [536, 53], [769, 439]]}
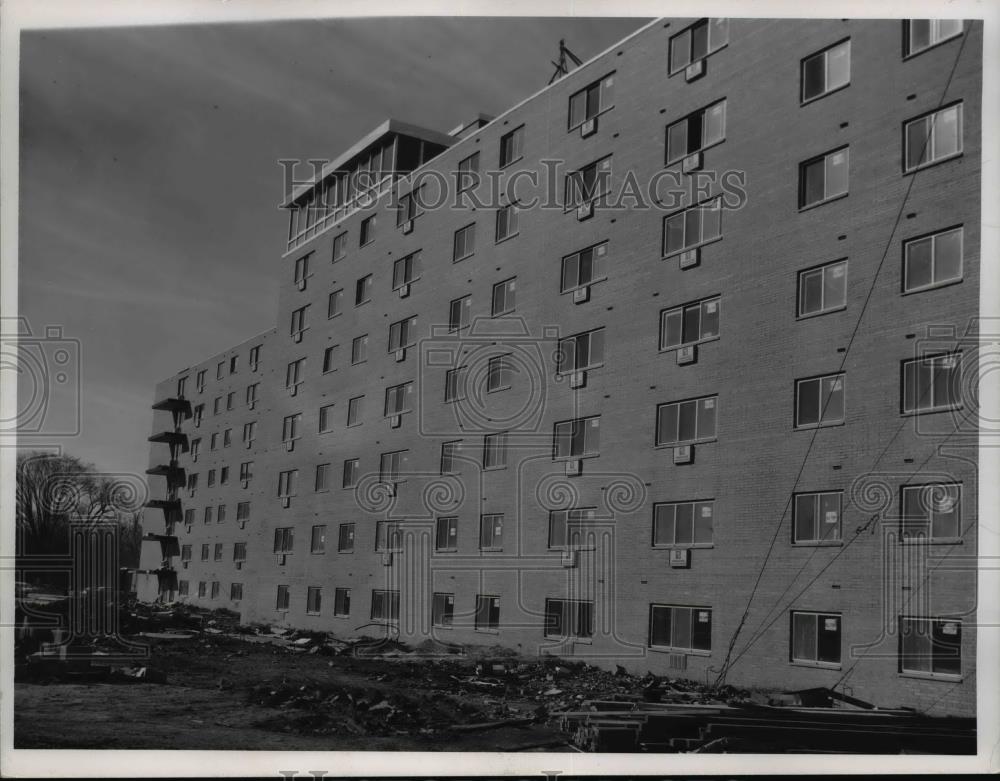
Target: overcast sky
{"points": [[149, 228]]}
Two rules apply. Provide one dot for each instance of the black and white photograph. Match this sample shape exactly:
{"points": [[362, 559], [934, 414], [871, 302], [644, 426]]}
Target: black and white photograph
{"points": [[499, 390]]}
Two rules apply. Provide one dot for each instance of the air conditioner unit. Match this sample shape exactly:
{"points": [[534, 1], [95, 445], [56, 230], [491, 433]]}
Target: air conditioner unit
{"points": [[689, 258], [581, 295], [282, 559], [245, 483], [253, 367], [677, 661], [588, 128], [694, 71], [404, 290], [680, 557], [301, 284], [293, 390], [692, 163], [574, 467], [251, 404], [585, 211], [387, 559], [395, 421], [194, 458], [684, 454], [578, 379], [290, 445], [570, 558], [249, 444], [408, 227], [185, 564], [401, 355], [191, 493], [297, 336], [243, 524], [239, 565], [286, 502], [687, 354]]}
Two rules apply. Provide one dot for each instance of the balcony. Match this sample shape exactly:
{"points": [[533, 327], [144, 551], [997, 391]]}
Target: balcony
{"points": [[176, 476], [173, 438], [179, 407]]}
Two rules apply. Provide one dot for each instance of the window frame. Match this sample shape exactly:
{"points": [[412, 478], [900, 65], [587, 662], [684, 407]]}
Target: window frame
{"points": [[820, 269], [912, 533], [821, 422], [695, 504], [817, 540], [495, 442], [703, 207], [909, 52], [704, 145], [597, 251], [931, 118], [701, 304], [827, 89], [491, 603], [954, 383], [366, 231], [689, 31], [574, 183], [561, 353], [571, 625], [450, 525], [586, 420], [930, 674], [699, 400], [445, 619], [335, 303], [346, 537], [508, 216], [516, 139], [314, 600], [464, 231], [605, 82], [494, 539], [691, 650], [827, 197], [390, 604], [933, 237], [819, 617]]}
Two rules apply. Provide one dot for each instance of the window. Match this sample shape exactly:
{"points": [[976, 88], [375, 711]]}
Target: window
{"points": [[230, 400], [385, 606], [454, 384], [216, 588], [351, 468], [815, 638], [448, 452], [284, 538], [287, 482], [697, 42], [239, 551], [468, 173], [683, 422], [409, 207], [354, 410], [218, 551], [182, 588], [696, 132], [195, 448], [208, 514], [330, 358], [569, 618], [200, 381], [345, 538], [335, 303], [921, 34], [205, 550], [389, 464], [487, 612], [235, 592], [406, 270], [823, 178], [459, 312], [592, 100], [217, 405], [583, 268], [246, 471], [823, 289], [202, 586], [819, 401], [499, 373], [220, 370], [506, 222], [299, 320], [568, 528], [220, 513], [491, 532], [339, 247], [252, 394], [192, 483], [442, 609], [397, 399], [930, 261], [388, 536], [931, 512], [254, 358], [816, 517], [512, 146], [301, 271], [503, 297], [932, 384], [326, 418], [185, 553], [317, 542], [577, 438], [342, 602], [933, 137], [495, 450], [290, 427], [227, 437], [446, 533], [189, 517], [680, 628], [281, 601], [243, 512], [322, 477], [213, 441], [363, 290], [359, 350], [930, 646], [367, 234], [199, 413], [692, 227], [211, 477], [181, 387], [403, 334], [588, 183], [683, 524], [689, 324], [826, 71], [465, 242]]}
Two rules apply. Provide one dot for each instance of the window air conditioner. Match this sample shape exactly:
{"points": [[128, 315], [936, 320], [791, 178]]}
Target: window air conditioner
{"points": [[408, 227], [585, 211], [694, 71], [194, 458], [290, 445], [245, 483], [689, 258], [185, 563], [680, 557], [301, 284], [401, 355], [684, 454], [687, 354], [251, 404], [570, 558], [293, 390], [282, 559], [581, 295], [578, 379], [574, 467], [297, 336], [588, 128], [239, 565], [286, 502], [395, 421], [404, 290], [249, 444], [677, 661], [387, 559], [692, 162]]}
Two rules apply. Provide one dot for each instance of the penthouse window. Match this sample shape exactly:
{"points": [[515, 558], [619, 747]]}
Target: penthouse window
{"points": [[487, 613], [363, 290], [339, 247], [823, 289], [683, 524], [932, 384], [342, 602], [503, 297], [692, 227], [816, 517], [495, 450], [819, 401], [689, 324], [696, 42], [592, 100], [930, 647], [931, 512], [580, 352], [933, 137], [459, 313], [507, 217], [397, 399], [921, 34], [826, 71], [314, 600], [442, 609], [823, 178], [465, 243], [345, 538], [569, 618], [299, 322], [385, 605], [468, 173], [933, 260], [359, 349], [686, 422], [588, 183], [696, 132], [335, 303], [405, 272], [579, 438], [284, 539], [446, 533], [679, 628], [567, 528], [389, 466], [491, 532], [403, 334], [512, 146], [281, 601], [352, 467], [815, 639], [367, 233], [583, 268]]}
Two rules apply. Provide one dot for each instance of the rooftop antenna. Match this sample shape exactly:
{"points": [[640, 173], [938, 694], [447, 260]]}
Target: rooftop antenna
{"points": [[561, 67]]}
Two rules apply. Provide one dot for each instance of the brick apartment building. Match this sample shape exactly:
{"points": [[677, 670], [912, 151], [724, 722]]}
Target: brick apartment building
{"points": [[732, 431]]}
